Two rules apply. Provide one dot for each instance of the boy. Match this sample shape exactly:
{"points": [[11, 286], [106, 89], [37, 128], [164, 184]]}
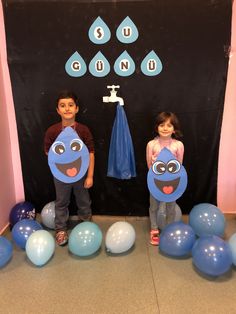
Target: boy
{"points": [[67, 108]]}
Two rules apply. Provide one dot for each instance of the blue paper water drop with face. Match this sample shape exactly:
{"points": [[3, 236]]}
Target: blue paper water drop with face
{"points": [[68, 157], [167, 178]]}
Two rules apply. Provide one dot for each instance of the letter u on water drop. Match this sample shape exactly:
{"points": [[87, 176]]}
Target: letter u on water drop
{"points": [[99, 66], [75, 65], [151, 64], [127, 32], [99, 33]]}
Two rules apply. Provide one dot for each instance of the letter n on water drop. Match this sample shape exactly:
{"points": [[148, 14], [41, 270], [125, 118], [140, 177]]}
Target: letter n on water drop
{"points": [[75, 65], [151, 64], [124, 65]]}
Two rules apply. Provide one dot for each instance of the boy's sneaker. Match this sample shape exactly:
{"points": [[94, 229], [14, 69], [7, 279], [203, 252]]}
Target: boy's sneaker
{"points": [[61, 238], [154, 237]]}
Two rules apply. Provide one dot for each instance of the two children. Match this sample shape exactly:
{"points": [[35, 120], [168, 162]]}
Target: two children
{"points": [[167, 130]]}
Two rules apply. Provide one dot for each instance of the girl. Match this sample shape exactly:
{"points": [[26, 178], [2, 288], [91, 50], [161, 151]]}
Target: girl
{"points": [[168, 132]]}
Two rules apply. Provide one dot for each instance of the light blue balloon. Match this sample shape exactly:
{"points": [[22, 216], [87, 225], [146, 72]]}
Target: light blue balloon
{"points": [[206, 219], [23, 229], [212, 255], [85, 239], [177, 239], [6, 249], [232, 245], [40, 247]]}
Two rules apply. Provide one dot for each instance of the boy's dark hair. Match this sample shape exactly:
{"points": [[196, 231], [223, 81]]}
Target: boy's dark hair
{"points": [[162, 117], [67, 94]]}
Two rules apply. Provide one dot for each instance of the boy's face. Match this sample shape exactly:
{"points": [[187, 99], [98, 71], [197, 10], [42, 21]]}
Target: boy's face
{"points": [[67, 108]]}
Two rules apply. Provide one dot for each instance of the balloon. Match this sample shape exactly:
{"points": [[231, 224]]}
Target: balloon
{"points": [[85, 239], [23, 210], [40, 247], [232, 245], [177, 239], [212, 255], [120, 237], [23, 229], [161, 215], [6, 249], [207, 219], [48, 215]]}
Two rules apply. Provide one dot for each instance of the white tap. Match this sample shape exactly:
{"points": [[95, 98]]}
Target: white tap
{"points": [[113, 97]]}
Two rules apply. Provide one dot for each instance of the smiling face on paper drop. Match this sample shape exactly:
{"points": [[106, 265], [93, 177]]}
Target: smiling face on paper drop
{"points": [[68, 157], [167, 178]]}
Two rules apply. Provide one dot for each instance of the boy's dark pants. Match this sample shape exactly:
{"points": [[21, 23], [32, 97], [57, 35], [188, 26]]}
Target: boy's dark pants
{"points": [[63, 196]]}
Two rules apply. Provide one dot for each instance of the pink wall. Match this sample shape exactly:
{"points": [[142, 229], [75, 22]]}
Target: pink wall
{"points": [[227, 156], [12, 190]]}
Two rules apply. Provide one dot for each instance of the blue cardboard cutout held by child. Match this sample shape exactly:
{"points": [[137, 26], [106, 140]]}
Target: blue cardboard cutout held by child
{"points": [[167, 178], [68, 157]]}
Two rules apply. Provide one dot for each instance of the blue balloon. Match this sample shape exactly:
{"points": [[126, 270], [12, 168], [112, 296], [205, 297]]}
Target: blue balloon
{"points": [[40, 247], [207, 219], [6, 249], [177, 239], [212, 255], [23, 229], [85, 239], [23, 210], [232, 245]]}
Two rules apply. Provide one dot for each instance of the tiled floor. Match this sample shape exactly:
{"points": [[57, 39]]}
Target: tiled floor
{"points": [[139, 281]]}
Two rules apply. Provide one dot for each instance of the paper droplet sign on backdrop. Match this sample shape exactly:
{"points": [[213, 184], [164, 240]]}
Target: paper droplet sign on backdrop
{"points": [[99, 66], [151, 64], [127, 32], [124, 65], [99, 33], [75, 65]]}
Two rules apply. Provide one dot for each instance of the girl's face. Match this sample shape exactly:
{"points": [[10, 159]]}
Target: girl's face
{"points": [[165, 129]]}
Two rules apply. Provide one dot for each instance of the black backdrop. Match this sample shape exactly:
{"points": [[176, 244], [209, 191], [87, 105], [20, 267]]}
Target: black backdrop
{"points": [[192, 40]]}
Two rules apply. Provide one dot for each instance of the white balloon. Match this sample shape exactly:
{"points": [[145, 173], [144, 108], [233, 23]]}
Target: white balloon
{"points": [[120, 237], [48, 215], [161, 215], [40, 247]]}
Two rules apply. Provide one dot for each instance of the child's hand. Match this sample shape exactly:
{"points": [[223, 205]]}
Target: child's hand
{"points": [[88, 182]]}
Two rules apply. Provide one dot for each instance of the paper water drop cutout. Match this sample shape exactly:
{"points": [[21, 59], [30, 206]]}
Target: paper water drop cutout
{"points": [[75, 65], [151, 64], [127, 32], [99, 33], [99, 66], [124, 65]]}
